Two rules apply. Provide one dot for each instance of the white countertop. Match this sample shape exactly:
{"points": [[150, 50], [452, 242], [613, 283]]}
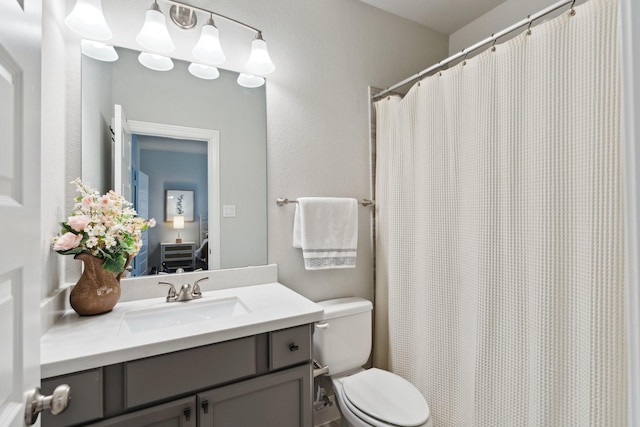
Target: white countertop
{"points": [[77, 343]]}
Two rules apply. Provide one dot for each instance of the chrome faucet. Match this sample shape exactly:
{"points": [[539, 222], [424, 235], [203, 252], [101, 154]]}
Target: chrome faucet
{"points": [[185, 293]]}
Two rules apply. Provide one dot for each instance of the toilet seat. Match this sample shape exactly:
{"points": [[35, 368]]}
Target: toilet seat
{"points": [[383, 399]]}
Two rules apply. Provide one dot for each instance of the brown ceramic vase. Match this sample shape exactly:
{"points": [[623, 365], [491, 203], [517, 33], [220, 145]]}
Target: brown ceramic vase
{"points": [[97, 290]]}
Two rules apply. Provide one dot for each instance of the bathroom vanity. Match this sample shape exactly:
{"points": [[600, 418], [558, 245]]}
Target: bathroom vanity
{"points": [[150, 362]]}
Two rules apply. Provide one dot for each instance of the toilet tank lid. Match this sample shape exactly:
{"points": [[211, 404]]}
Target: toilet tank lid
{"points": [[344, 306]]}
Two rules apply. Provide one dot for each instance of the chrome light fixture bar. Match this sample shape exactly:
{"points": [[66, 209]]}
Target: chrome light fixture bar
{"points": [[208, 12], [183, 16]]}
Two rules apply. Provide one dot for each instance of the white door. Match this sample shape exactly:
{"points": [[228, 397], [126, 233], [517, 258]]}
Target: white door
{"points": [[20, 241], [142, 208], [122, 154]]}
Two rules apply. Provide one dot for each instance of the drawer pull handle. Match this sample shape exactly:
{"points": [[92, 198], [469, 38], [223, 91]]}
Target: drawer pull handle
{"points": [[187, 414], [205, 406], [294, 347], [322, 325]]}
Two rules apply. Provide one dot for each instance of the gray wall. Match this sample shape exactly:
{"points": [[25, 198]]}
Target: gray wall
{"points": [[97, 111]]}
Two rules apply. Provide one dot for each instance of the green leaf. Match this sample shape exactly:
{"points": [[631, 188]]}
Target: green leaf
{"points": [[115, 263], [71, 251], [66, 228]]}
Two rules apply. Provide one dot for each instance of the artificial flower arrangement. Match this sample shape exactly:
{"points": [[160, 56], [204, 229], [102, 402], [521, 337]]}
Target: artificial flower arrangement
{"points": [[106, 227]]}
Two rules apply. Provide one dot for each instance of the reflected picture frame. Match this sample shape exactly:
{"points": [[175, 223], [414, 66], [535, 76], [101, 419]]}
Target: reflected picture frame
{"points": [[178, 202]]}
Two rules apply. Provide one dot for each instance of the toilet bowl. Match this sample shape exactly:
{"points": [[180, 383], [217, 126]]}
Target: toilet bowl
{"points": [[366, 397], [374, 397]]}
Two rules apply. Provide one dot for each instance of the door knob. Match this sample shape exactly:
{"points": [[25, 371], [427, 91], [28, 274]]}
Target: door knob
{"points": [[57, 402]]}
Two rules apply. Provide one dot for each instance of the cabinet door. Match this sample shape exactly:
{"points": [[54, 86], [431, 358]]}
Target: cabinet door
{"points": [[282, 399], [179, 413], [86, 402]]}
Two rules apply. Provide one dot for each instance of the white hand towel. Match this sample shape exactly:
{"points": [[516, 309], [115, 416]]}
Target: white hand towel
{"points": [[326, 229]]}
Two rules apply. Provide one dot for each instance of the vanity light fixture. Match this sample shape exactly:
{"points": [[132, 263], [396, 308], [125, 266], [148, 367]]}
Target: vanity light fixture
{"points": [[87, 20], [208, 49], [154, 35], [98, 50], [155, 62], [259, 62], [250, 81], [202, 71]]}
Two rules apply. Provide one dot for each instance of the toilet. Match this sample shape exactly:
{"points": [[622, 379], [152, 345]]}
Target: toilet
{"points": [[366, 397]]}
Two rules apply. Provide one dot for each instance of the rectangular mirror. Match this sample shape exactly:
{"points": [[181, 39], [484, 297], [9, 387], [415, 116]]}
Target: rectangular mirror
{"points": [[167, 131]]}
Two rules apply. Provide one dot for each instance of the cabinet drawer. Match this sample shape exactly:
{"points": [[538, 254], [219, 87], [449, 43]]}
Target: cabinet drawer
{"points": [[160, 377], [178, 247], [289, 346], [86, 398], [178, 256]]}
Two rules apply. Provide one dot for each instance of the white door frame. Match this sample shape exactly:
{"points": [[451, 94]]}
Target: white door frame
{"points": [[212, 137], [21, 240], [630, 15]]}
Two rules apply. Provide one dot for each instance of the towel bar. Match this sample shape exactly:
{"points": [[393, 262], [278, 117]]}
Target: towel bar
{"points": [[281, 201]]}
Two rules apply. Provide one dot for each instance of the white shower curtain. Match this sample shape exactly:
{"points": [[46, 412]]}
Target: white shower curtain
{"points": [[500, 240]]}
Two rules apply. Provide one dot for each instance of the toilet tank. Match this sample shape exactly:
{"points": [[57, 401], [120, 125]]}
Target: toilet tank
{"points": [[342, 340]]}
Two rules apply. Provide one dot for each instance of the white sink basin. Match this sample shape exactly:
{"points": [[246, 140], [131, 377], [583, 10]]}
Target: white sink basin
{"points": [[180, 313]]}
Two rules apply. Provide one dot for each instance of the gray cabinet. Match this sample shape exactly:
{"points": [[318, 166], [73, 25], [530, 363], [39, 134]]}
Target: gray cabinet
{"points": [[263, 379], [274, 400], [86, 398]]}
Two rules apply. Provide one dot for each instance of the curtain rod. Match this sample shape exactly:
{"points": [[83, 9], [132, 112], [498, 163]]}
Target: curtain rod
{"points": [[464, 52]]}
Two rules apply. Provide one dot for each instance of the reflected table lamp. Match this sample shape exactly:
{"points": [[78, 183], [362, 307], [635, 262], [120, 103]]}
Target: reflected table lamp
{"points": [[178, 224]]}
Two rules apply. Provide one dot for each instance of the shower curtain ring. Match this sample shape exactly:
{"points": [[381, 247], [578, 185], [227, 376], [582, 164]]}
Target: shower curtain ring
{"points": [[529, 27], [464, 58], [572, 11], [493, 45]]}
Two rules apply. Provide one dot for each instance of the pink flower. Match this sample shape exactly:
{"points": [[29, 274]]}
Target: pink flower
{"points": [[67, 241], [106, 202], [87, 201], [79, 222]]}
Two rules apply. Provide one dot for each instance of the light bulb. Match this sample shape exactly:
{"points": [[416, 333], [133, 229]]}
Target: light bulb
{"points": [[259, 62], [87, 20], [154, 35], [204, 71], [208, 49], [98, 50], [155, 62], [250, 81]]}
